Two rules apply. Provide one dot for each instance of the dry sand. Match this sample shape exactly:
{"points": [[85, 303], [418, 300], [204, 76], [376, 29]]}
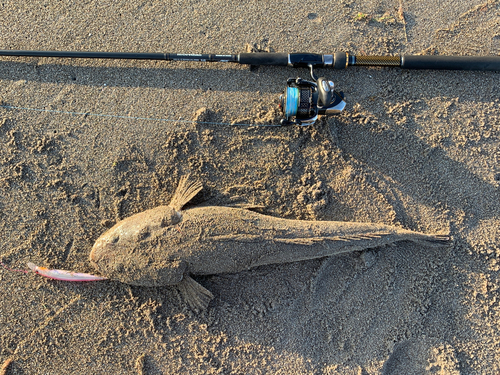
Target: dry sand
{"points": [[419, 149]]}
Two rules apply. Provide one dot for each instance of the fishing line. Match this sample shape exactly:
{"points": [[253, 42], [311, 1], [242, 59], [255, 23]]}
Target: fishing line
{"points": [[12, 269], [86, 114]]}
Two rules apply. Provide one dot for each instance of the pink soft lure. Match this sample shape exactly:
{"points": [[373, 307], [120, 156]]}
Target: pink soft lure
{"points": [[64, 275]]}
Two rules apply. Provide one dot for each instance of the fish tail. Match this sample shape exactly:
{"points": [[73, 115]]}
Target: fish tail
{"points": [[434, 240]]}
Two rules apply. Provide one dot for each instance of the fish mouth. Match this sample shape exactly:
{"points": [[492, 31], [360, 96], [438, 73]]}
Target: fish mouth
{"points": [[93, 258], [97, 254], [104, 246]]}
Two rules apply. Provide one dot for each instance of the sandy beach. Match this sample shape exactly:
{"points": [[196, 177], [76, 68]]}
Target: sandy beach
{"points": [[86, 143]]}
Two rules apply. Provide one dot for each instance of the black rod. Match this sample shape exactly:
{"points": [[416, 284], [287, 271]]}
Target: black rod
{"points": [[338, 60], [123, 55]]}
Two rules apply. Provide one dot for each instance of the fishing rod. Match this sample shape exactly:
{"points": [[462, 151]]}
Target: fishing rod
{"points": [[302, 100]]}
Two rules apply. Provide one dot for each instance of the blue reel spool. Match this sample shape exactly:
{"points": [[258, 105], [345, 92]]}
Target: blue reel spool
{"points": [[292, 96]]}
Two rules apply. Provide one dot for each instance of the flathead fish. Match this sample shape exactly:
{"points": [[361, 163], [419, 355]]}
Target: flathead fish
{"points": [[163, 246]]}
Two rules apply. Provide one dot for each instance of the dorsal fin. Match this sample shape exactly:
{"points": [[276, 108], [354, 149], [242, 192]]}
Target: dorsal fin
{"points": [[186, 190]]}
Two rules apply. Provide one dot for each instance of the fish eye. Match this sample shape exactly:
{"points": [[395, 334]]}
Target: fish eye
{"points": [[115, 239], [143, 234], [170, 218]]}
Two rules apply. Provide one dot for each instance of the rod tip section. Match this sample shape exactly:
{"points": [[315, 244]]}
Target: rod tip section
{"points": [[340, 60]]}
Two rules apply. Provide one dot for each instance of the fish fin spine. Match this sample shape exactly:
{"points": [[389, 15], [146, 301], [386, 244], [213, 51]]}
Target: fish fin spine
{"points": [[186, 190], [196, 296]]}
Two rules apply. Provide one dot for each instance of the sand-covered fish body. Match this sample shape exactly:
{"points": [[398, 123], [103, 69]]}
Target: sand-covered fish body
{"points": [[162, 246]]}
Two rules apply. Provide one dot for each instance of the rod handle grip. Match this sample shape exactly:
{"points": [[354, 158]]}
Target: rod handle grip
{"points": [[450, 62], [263, 58]]}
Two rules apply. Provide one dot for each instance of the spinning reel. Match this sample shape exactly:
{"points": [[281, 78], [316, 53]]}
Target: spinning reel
{"points": [[302, 101]]}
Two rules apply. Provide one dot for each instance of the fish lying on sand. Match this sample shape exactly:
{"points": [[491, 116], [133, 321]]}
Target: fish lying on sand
{"points": [[164, 245]]}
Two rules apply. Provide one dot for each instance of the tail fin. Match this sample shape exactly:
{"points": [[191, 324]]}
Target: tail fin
{"points": [[435, 240], [186, 191]]}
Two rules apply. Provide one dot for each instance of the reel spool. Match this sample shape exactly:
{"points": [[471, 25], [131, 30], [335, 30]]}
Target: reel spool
{"points": [[303, 101]]}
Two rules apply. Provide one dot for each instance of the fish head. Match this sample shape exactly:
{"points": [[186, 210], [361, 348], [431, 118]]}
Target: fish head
{"points": [[126, 253]]}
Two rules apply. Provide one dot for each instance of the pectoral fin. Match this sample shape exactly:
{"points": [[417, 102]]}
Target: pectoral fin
{"points": [[194, 294], [186, 191]]}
